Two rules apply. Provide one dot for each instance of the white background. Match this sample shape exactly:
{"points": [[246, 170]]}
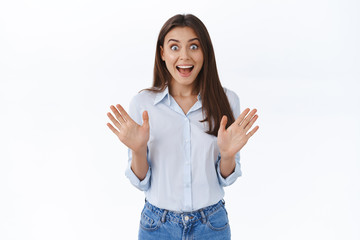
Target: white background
{"points": [[63, 63]]}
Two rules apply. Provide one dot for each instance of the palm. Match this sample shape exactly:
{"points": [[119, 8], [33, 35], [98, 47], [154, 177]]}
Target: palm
{"points": [[133, 135], [233, 139]]}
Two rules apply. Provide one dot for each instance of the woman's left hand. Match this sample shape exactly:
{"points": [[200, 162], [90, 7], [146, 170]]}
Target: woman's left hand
{"points": [[232, 139]]}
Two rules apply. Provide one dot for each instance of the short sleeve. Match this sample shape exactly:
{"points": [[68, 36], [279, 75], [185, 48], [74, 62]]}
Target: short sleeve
{"points": [[135, 113]]}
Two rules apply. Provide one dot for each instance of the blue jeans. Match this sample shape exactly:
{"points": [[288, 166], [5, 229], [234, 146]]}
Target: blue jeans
{"points": [[210, 223]]}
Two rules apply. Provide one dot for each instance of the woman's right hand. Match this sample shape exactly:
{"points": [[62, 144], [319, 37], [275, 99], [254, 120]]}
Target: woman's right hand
{"points": [[128, 131]]}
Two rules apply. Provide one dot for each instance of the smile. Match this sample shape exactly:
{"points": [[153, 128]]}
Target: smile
{"points": [[185, 70]]}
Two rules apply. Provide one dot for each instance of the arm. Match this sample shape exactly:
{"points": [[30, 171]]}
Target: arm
{"points": [[139, 164], [140, 182], [232, 140], [231, 178], [135, 137], [227, 166]]}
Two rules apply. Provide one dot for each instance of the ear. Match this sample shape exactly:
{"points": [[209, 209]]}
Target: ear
{"points": [[162, 53]]}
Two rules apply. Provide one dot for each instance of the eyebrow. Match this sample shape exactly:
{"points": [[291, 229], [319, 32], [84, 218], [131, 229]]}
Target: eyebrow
{"points": [[193, 39]]}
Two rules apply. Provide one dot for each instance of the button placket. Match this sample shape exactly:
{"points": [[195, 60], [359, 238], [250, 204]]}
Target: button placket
{"points": [[187, 166]]}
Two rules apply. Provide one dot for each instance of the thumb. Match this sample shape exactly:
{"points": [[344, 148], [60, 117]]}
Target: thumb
{"points": [[223, 123], [145, 117]]}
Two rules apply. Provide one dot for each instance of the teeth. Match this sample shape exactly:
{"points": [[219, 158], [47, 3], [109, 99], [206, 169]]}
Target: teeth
{"points": [[184, 66]]}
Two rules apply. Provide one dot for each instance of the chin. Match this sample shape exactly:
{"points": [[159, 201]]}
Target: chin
{"points": [[182, 81]]}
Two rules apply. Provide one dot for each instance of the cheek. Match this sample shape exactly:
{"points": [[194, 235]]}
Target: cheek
{"points": [[169, 56], [169, 66], [200, 61], [199, 58], [170, 61]]}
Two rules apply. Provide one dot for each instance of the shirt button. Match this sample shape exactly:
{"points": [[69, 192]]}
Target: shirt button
{"points": [[186, 218]]}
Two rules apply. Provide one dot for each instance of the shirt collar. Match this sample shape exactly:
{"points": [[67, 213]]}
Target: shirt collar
{"points": [[161, 95], [165, 94]]}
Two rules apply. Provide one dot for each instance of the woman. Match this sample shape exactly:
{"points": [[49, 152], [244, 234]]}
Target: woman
{"points": [[183, 138]]}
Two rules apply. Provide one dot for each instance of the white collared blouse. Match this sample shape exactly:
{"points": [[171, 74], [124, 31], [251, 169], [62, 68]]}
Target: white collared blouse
{"points": [[184, 161]]}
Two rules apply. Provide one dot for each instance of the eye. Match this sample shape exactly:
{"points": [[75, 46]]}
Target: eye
{"points": [[194, 47], [174, 47]]}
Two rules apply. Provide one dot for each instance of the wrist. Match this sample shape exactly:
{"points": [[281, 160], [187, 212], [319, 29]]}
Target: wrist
{"points": [[140, 152], [227, 157], [227, 166]]}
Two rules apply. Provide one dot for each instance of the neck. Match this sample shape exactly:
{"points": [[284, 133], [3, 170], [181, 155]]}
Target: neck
{"points": [[183, 91]]}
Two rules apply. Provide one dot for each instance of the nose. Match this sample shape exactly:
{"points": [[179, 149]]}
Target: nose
{"points": [[184, 54]]}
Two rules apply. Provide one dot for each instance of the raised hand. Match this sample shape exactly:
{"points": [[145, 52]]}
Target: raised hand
{"points": [[232, 139], [128, 131]]}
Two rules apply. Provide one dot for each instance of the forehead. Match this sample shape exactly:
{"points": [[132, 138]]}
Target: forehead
{"points": [[181, 34]]}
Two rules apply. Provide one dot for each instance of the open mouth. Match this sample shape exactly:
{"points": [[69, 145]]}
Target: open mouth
{"points": [[185, 70]]}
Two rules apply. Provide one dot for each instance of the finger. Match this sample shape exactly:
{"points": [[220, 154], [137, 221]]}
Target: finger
{"points": [[145, 117], [242, 116], [252, 121], [223, 123], [117, 114], [248, 117], [252, 132], [115, 122], [123, 113], [113, 129]]}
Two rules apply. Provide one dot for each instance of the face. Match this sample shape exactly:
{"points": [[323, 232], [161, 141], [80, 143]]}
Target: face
{"points": [[183, 55]]}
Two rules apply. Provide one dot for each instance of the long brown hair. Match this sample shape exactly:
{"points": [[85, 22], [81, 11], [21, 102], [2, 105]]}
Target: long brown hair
{"points": [[215, 104]]}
